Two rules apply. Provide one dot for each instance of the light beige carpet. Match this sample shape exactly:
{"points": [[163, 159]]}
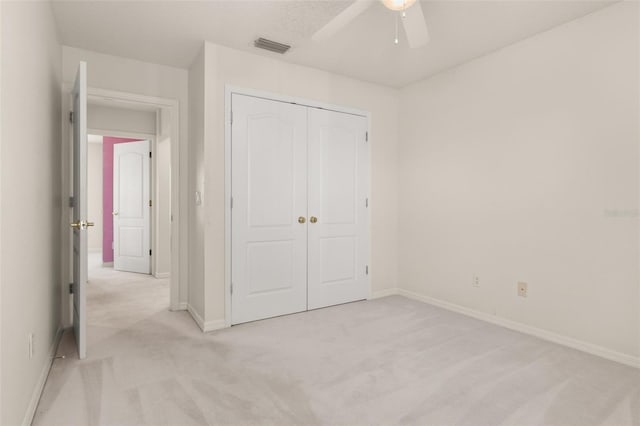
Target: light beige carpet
{"points": [[382, 362]]}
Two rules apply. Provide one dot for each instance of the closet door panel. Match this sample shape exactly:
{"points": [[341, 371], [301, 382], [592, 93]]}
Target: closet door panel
{"points": [[338, 185], [269, 176]]}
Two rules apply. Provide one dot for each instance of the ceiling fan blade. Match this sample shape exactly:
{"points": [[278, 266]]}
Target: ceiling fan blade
{"points": [[342, 20], [415, 26]]}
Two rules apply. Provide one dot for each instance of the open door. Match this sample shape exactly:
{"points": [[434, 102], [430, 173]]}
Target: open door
{"points": [[131, 207], [80, 223]]}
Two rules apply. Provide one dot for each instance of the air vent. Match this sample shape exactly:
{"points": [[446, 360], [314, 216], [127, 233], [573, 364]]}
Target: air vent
{"points": [[273, 46]]}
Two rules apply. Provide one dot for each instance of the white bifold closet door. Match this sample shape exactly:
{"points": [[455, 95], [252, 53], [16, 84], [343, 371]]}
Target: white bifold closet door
{"points": [[299, 224]]}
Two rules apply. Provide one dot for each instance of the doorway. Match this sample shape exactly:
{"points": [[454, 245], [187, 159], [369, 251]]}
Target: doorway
{"points": [[116, 115], [122, 288], [120, 203]]}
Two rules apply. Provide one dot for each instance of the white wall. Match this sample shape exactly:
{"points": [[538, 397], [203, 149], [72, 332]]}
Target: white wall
{"points": [[131, 76], [228, 66], [100, 117], [196, 183], [94, 196], [523, 166], [31, 198]]}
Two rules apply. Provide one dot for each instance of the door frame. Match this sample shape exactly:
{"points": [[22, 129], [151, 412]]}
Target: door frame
{"points": [[230, 90], [154, 190], [119, 99]]}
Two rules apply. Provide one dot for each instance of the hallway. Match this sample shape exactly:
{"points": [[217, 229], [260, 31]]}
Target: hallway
{"points": [[117, 300]]}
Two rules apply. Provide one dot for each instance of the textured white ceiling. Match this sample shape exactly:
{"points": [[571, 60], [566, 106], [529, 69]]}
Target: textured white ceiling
{"points": [[171, 32]]}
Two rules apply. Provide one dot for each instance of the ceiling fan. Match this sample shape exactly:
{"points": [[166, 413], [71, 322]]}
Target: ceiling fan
{"points": [[410, 11]]}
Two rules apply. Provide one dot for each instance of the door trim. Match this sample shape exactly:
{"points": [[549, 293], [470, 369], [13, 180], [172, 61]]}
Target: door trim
{"points": [[230, 90]]}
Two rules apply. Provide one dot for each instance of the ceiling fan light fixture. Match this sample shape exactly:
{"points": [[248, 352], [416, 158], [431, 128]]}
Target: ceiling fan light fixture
{"points": [[398, 5]]}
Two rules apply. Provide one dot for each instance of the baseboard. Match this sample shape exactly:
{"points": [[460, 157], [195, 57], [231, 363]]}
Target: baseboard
{"points": [[42, 379], [214, 325], [161, 275], [527, 329], [206, 326], [107, 264], [196, 316], [384, 293], [182, 306]]}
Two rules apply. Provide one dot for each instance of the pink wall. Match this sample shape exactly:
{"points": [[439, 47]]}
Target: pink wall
{"points": [[107, 194]]}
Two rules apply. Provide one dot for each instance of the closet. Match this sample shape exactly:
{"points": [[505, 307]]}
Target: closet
{"points": [[299, 216]]}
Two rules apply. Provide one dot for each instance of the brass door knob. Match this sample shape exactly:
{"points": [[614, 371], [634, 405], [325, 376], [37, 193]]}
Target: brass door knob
{"points": [[81, 224], [313, 219], [301, 219]]}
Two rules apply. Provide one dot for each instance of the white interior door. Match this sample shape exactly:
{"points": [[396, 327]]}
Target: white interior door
{"points": [[338, 189], [131, 207], [269, 212], [80, 223]]}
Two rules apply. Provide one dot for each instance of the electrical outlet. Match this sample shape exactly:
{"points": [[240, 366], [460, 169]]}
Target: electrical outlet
{"points": [[31, 348], [475, 281], [522, 289]]}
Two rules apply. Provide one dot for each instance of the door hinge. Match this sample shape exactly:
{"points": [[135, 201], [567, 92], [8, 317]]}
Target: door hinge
{"points": [[72, 202], [231, 288], [231, 117], [71, 288], [70, 116], [149, 252], [149, 154], [150, 203], [366, 270], [366, 136], [231, 202], [366, 202]]}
